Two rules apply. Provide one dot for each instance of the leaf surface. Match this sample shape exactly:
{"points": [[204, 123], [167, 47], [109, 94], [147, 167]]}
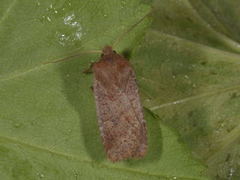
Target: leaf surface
{"points": [[47, 111], [191, 79]]}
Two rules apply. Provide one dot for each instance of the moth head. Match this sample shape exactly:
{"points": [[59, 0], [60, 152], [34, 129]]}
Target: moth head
{"points": [[107, 50]]}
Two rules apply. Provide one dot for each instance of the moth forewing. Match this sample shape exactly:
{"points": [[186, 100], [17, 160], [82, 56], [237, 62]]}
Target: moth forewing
{"points": [[119, 111]]}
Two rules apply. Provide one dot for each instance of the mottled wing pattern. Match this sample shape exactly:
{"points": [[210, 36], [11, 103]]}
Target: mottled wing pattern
{"points": [[119, 110], [132, 93]]}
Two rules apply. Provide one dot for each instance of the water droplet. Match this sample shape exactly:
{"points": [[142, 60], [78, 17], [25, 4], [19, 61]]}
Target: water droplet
{"points": [[68, 19], [231, 173], [186, 77], [42, 19], [175, 102], [62, 39], [72, 31], [17, 125], [40, 175], [49, 19], [74, 23], [78, 35]]}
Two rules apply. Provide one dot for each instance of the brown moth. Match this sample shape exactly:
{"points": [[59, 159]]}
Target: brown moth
{"points": [[119, 111]]}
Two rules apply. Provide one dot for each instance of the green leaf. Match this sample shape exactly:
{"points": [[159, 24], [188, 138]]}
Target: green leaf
{"points": [[47, 111], [191, 79]]}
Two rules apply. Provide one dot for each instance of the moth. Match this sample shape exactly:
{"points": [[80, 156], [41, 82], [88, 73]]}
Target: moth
{"points": [[119, 111]]}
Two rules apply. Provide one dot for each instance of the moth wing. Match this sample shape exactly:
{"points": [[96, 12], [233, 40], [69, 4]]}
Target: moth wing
{"points": [[132, 93], [120, 118]]}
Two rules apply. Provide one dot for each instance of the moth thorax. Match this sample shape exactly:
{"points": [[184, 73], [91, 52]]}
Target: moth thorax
{"points": [[107, 50]]}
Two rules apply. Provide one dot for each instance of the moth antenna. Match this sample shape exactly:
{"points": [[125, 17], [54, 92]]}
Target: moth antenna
{"points": [[73, 56], [129, 30]]}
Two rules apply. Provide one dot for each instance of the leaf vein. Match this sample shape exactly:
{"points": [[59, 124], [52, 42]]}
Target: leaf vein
{"points": [[74, 157], [180, 101]]}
